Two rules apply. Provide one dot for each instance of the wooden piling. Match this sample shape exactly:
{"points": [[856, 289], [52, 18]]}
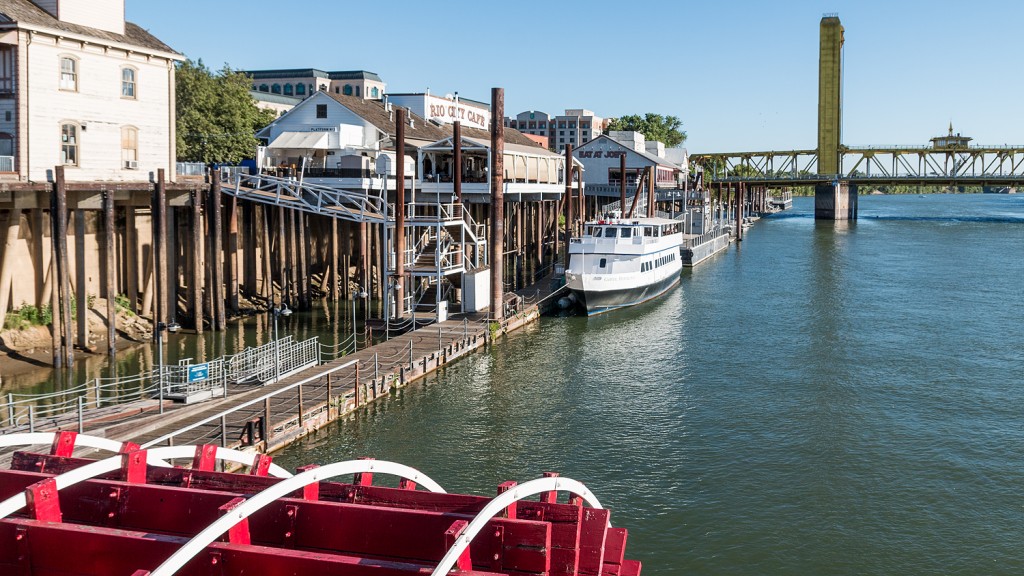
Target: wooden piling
{"points": [[160, 250], [110, 272], [400, 212], [568, 204], [131, 259], [197, 270], [63, 273], [232, 257], [81, 298], [457, 160], [216, 239], [11, 230], [622, 184], [497, 202], [333, 260], [303, 271]]}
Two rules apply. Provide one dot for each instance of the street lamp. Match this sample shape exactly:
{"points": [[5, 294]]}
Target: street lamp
{"points": [[355, 340], [160, 327], [283, 310]]}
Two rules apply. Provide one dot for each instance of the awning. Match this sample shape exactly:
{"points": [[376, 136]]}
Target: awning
{"points": [[300, 140]]}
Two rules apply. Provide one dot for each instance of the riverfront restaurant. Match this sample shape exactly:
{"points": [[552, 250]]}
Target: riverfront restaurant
{"points": [[348, 142], [601, 158]]}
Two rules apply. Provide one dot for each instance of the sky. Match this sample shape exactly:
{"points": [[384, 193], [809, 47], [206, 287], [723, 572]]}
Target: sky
{"points": [[741, 75]]}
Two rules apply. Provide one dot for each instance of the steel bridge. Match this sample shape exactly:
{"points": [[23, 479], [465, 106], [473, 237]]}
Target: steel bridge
{"points": [[836, 170], [871, 165]]}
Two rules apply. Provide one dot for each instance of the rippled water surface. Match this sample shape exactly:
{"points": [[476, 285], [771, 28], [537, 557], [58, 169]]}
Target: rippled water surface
{"points": [[824, 399]]}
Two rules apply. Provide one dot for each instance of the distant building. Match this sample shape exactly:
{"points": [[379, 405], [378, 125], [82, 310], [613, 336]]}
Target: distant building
{"points": [[276, 102], [532, 122], [303, 82], [577, 126], [83, 88], [445, 109]]}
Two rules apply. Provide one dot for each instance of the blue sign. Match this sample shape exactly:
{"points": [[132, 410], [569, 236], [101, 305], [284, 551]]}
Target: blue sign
{"points": [[198, 372]]}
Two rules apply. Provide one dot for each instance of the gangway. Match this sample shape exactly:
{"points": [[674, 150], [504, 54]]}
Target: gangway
{"points": [[355, 206]]}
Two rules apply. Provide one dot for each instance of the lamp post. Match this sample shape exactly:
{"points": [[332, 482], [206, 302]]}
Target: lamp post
{"points": [[160, 327], [282, 310], [357, 294]]}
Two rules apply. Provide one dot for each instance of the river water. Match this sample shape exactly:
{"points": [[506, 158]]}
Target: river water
{"points": [[826, 398]]}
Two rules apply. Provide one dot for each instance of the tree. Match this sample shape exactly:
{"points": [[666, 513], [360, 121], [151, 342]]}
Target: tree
{"points": [[217, 118], [653, 126]]}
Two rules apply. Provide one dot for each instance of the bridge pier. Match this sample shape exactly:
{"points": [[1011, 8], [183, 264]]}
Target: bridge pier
{"points": [[835, 201]]}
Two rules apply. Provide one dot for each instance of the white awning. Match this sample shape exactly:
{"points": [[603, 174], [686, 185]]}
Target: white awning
{"points": [[300, 140]]}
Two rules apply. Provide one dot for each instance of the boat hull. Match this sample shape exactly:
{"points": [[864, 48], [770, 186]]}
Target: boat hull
{"points": [[601, 301]]}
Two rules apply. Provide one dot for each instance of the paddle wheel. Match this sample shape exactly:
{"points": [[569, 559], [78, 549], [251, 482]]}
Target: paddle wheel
{"points": [[135, 514]]}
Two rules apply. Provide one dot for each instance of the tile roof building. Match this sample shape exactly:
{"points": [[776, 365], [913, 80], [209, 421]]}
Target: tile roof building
{"points": [[304, 82]]}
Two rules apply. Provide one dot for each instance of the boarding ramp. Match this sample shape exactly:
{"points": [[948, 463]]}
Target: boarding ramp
{"points": [[288, 192]]}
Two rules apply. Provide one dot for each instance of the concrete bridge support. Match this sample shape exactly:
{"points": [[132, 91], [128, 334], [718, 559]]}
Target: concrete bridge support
{"points": [[835, 201]]}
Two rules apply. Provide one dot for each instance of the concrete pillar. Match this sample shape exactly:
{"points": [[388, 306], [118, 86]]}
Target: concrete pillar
{"points": [[835, 201]]}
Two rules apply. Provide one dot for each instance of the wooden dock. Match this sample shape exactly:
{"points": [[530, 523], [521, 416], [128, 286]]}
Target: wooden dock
{"points": [[269, 417]]}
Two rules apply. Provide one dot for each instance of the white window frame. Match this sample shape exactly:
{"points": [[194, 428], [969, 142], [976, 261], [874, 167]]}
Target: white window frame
{"points": [[74, 73], [130, 154], [76, 145], [134, 83]]}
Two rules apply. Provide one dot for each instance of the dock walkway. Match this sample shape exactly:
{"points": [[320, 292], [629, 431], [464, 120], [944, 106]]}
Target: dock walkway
{"points": [[267, 417]]}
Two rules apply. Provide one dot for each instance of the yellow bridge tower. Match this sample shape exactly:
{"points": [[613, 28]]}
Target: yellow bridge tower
{"points": [[835, 200]]}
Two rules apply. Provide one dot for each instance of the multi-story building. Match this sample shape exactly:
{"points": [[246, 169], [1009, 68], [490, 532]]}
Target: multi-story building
{"points": [[577, 126], [83, 88], [532, 122], [303, 82]]}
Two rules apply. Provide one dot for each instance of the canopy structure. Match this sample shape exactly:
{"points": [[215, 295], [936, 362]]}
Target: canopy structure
{"points": [[300, 141]]}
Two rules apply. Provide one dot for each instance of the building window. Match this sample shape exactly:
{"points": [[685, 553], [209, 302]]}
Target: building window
{"points": [[357, 91], [300, 89], [374, 93], [337, 90], [6, 145], [543, 125], [275, 89], [264, 88], [128, 83], [321, 110], [68, 73], [69, 144], [584, 124], [323, 88], [6, 69], [348, 90], [572, 124], [130, 147], [287, 89]]}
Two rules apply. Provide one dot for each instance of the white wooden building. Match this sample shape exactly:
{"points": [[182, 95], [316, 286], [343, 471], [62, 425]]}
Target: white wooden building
{"points": [[83, 88], [601, 158]]}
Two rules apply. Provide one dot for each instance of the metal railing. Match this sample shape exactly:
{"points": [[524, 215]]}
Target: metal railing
{"points": [[6, 163], [190, 169], [29, 412]]}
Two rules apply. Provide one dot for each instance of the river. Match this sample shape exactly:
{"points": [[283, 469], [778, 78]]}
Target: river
{"points": [[825, 398]]}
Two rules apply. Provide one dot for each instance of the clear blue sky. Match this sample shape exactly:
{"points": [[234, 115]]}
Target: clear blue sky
{"points": [[742, 75]]}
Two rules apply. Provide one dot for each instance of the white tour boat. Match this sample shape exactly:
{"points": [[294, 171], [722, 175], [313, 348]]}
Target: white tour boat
{"points": [[622, 262]]}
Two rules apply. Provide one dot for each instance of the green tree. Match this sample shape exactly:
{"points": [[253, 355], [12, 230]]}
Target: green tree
{"points": [[217, 118], [653, 126]]}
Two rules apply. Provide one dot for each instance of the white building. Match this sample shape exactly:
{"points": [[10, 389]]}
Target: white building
{"points": [[83, 88], [601, 159], [337, 139]]}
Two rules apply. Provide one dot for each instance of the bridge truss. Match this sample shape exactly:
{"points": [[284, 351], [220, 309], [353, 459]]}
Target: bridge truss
{"points": [[907, 165]]}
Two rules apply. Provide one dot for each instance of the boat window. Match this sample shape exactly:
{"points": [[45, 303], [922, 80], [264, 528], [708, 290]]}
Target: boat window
{"points": [[603, 262], [627, 232], [597, 232], [648, 231]]}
